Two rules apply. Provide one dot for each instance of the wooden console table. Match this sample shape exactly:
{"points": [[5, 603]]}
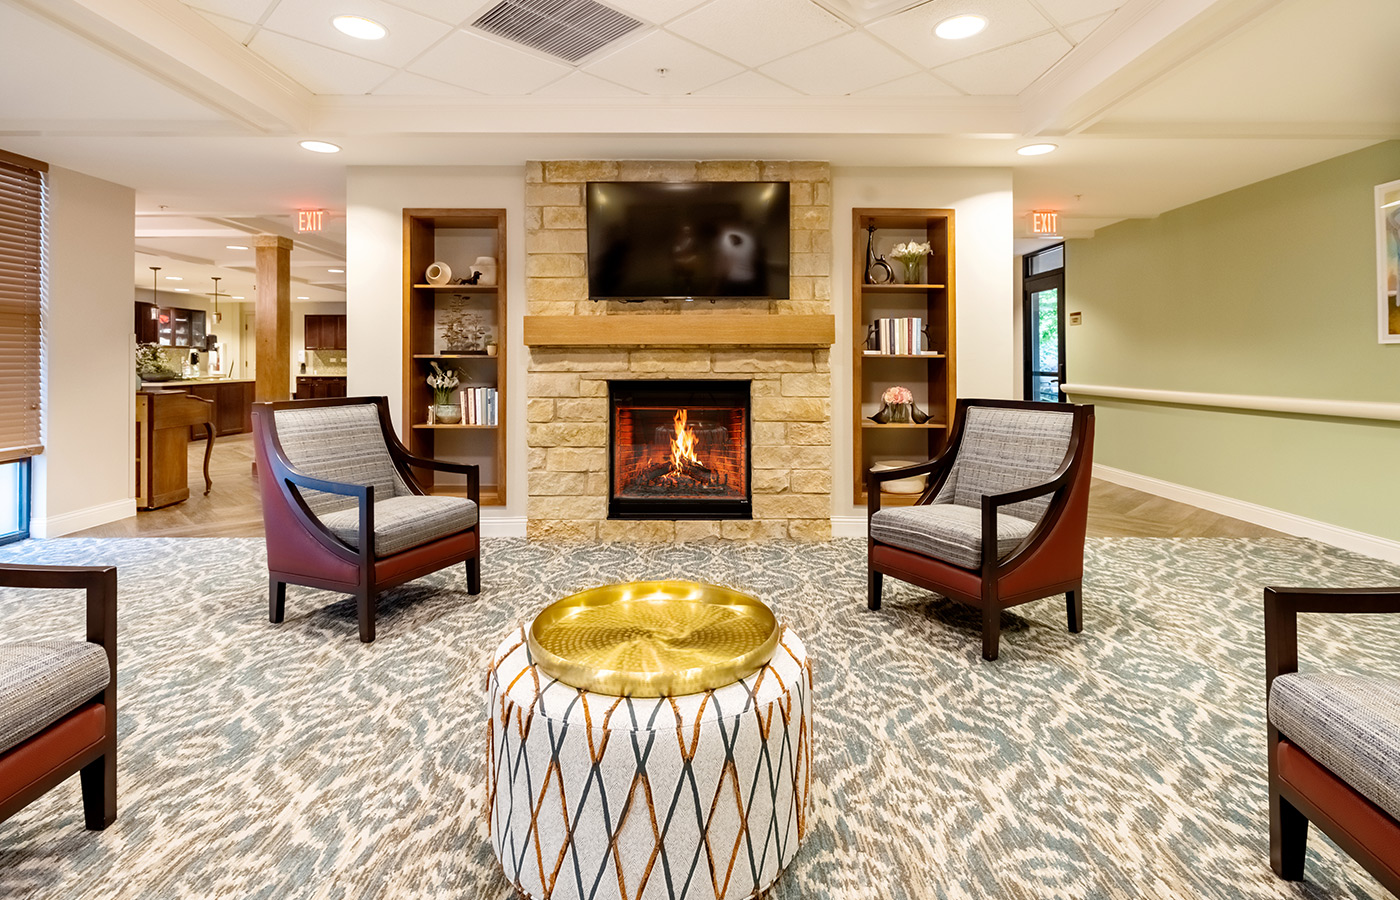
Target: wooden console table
{"points": [[163, 422]]}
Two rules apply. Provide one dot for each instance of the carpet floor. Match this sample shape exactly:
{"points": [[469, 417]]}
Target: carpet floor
{"points": [[292, 761]]}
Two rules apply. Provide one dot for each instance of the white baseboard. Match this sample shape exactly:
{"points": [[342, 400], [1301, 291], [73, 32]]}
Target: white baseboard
{"points": [[67, 523], [1277, 519], [848, 526], [502, 526]]}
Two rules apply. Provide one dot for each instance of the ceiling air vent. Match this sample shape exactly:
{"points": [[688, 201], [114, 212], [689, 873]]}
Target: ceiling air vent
{"points": [[568, 29]]}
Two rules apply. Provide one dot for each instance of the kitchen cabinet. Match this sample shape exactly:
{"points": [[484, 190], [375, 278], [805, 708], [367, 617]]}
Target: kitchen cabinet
{"points": [[320, 387], [147, 330], [164, 419], [324, 333], [176, 327], [233, 405]]}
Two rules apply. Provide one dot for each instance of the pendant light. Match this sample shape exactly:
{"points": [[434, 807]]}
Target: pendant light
{"points": [[155, 298], [218, 316]]}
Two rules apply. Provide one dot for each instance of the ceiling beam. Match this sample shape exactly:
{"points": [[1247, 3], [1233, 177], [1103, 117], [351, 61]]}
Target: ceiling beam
{"points": [[1139, 45], [175, 46]]}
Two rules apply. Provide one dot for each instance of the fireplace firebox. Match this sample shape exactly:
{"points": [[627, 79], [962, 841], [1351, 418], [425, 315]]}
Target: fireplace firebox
{"points": [[679, 450]]}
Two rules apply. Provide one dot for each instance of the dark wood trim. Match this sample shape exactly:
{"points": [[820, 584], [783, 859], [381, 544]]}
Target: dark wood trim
{"points": [[97, 763]]}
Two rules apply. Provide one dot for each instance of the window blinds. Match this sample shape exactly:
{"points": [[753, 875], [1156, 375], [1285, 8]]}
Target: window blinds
{"points": [[21, 341]]}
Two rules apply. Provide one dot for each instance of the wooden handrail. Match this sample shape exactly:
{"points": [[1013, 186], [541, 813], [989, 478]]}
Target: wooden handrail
{"points": [[1303, 406]]}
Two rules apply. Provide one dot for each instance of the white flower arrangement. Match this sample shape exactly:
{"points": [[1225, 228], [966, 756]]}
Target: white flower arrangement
{"points": [[911, 251], [443, 384], [898, 394]]}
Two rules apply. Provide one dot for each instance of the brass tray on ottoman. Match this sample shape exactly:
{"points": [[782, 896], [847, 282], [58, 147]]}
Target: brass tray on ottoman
{"points": [[653, 638]]}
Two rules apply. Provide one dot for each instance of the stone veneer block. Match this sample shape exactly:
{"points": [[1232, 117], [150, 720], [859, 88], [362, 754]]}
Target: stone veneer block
{"points": [[567, 434], [753, 530], [649, 530], [669, 362], [656, 170], [761, 360], [556, 265], [581, 170], [578, 359], [804, 384], [810, 481], [553, 195], [565, 217], [792, 409], [810, 529], [727, 170], [553, 384], [689, 530], [561, 530]]}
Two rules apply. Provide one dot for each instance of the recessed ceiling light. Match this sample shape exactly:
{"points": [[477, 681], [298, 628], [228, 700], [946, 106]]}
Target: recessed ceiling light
{"points": [[337, 271], [181, 290], [174, 278], [1036, 149], [235, 247], [303, 298], [320, 146], [238, 298], [359, 27], [959, 27]]}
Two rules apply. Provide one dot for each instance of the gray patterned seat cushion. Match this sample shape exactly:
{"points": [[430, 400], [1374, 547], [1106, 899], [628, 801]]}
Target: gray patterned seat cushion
{"points": [[339, 443], [1350, 725], [1006, 449], [43, 681], [401, 523], [946, 531]]}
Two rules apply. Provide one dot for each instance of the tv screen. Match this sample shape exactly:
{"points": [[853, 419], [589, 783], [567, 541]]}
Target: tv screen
{"points": [[702, 240]]}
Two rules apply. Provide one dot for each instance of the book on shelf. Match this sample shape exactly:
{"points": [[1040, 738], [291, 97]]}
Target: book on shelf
{"points": [[479, 406], [901, 336]]}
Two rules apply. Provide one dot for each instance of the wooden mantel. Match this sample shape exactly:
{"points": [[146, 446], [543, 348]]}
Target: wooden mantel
{"points": [[717, 329]]}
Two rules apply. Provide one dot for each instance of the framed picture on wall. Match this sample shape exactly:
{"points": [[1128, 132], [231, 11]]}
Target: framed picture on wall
{"points": [[1388, 259]]}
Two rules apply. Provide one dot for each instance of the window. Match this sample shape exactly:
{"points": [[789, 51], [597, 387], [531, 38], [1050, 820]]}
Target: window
{"points": [[1043, 321], [21, 340]]}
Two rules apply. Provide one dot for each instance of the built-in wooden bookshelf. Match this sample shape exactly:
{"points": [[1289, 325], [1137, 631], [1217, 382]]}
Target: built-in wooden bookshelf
{"points": [[929, 373], [457, 237]]}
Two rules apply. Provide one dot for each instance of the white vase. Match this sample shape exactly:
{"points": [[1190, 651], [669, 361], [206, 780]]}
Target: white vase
{"points": [[486, 265]]}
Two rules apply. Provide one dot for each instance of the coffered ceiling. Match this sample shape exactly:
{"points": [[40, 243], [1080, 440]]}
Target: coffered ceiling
{"points": [[1154, 103]]}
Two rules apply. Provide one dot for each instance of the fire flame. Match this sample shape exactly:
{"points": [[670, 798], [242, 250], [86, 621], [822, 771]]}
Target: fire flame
{"points": [[683, 444]]}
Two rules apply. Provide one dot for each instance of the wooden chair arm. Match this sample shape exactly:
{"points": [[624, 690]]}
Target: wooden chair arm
{"points": [[100, 582], [1281, 608], [286, 473], [471, 470], [931, 467]]}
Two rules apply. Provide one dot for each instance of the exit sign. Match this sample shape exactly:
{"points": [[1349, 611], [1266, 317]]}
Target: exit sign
{"points": [[310, 219], [1045, 221]]}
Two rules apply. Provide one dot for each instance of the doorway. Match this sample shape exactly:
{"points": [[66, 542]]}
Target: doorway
{"points": [[1043, 324], [248, 349]]}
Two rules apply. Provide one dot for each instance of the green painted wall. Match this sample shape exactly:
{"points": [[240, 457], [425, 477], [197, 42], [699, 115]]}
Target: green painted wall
{"points": [[1269, 289]]}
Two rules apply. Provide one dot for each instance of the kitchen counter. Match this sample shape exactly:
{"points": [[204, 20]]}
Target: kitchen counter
{"points": [[186, 382], [232, 399]]}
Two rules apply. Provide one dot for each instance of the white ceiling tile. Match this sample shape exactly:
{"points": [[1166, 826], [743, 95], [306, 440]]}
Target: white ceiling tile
{"points": [[747, 84], [688, 67], [1009, 70], [316, 68], [583, 85], [453, 12], [850, 63], [239, 31], [920, 84], [1008, 21], [1066, 11], [655, 11], [756, 33], [243, 10], [482, 64], [310, 20], [406, 84], [1080, 30]]}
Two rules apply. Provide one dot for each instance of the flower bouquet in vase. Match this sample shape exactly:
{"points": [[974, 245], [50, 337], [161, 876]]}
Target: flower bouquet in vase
{"points": [[911, 256], [898, 408], [444, 382]]}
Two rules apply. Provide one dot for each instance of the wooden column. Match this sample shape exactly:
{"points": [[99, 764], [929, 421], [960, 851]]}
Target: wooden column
{"points": [[274, 312]]}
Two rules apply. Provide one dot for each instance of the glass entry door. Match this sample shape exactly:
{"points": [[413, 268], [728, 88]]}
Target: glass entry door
{"points": [[1044, 326]]}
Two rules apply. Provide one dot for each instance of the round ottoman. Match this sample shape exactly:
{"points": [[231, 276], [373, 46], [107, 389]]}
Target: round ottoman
{"points": [[597, 797]]}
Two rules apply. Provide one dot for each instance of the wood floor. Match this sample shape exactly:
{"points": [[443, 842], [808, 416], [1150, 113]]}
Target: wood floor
{"points": [[233, 508]]}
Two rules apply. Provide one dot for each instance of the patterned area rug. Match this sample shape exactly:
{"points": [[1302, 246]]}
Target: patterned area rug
{"points": [[293, 761]]}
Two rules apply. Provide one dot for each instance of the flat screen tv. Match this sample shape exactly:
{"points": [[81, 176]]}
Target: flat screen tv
{"points": [[703, 240]]}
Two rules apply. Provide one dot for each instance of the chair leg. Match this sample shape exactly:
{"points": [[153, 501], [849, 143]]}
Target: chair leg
{"points": [[1288, 838], [1074, 606], [991, 630], [474, 575], [99, 780], [874, 582], [276, 600], [366, 601]]}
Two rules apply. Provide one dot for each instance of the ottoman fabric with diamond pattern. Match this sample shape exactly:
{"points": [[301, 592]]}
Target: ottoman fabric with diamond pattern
{"points": [[701, 796]]}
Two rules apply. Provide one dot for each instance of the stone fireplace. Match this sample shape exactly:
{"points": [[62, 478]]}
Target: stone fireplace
{"points": [[679, 450], [579, 349]]}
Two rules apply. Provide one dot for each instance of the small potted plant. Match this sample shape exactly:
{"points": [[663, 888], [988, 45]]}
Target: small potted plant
{"points": [[444, 382], [491, 346], [911, 255]]}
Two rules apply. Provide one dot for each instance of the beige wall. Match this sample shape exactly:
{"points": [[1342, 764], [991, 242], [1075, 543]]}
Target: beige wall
{"points": [[86, 474]]}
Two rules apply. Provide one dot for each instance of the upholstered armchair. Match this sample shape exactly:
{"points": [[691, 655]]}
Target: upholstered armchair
{"points": [[58, 700], [1002, 519], [1334, 742], [342, 510]]}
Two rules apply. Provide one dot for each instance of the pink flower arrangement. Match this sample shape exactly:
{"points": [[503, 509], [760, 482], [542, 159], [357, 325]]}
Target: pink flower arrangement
{"points": [[898, 395]]}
